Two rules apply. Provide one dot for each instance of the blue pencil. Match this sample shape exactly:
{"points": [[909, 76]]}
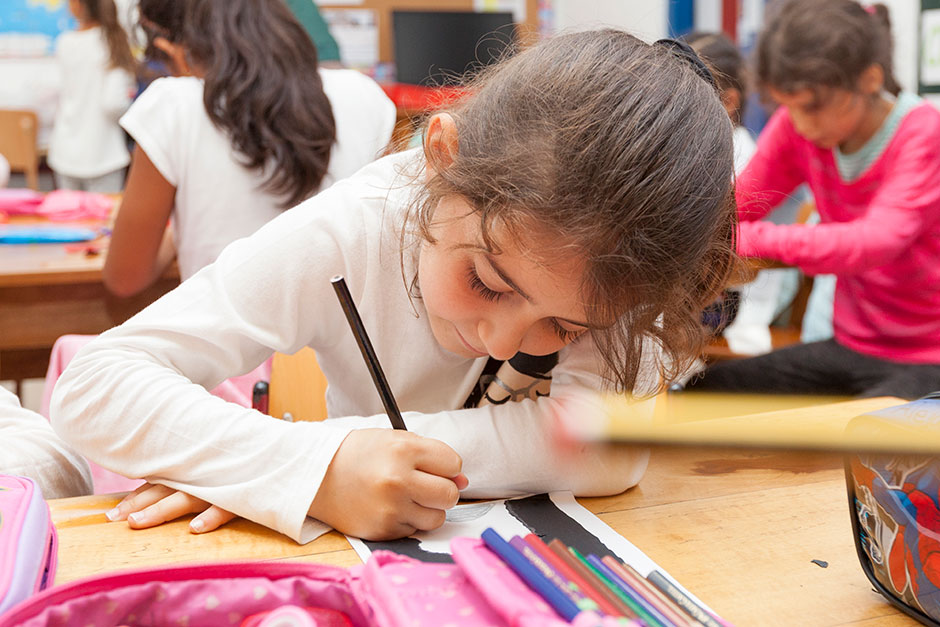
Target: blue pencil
{"points": [[569, 588], [629, 591], [530, 575]]}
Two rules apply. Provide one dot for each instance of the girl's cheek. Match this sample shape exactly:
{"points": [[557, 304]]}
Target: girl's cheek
{"points": [[542, 342]]}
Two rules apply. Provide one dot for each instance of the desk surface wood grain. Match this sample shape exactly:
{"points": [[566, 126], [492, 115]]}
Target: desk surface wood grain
{"points": [[739, 528]]}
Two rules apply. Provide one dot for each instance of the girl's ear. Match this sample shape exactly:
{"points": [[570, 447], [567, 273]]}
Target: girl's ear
{"points": [[440, 142], [872, 80], [179, 66], [731, 100]]}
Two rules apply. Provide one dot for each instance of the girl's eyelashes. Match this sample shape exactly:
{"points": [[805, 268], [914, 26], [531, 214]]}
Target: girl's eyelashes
{"points": [[565, 335], [478, 286]]}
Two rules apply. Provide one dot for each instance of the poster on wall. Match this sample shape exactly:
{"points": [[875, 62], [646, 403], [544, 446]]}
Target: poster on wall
{"points": [[930, 50], [28, 28]]}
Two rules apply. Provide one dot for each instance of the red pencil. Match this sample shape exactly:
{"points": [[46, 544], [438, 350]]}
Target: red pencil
{"points": [[566, 571], [558, 548]]}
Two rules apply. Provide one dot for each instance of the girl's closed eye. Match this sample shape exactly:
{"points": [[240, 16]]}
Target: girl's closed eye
{"points": [[565, 335], [478, 286]]}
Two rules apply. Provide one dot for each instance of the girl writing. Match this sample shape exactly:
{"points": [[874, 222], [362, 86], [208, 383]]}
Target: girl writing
{"points": [[561, 207], [87, 148], [246, 128], [872, 162]]}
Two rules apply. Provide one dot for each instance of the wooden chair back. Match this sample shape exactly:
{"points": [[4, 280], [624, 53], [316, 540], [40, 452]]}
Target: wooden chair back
{"points": [[19, 144], [297, 387]]}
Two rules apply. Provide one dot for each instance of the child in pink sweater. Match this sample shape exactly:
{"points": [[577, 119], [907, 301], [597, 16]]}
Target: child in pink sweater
{"points": [[872, 161]]}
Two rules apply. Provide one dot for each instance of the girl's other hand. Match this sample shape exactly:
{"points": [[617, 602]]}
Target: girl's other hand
{"points": [[384, 484], [151, 505]]}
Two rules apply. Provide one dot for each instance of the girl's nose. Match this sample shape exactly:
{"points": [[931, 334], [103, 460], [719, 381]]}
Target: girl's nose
{"points": [[502, 340]]}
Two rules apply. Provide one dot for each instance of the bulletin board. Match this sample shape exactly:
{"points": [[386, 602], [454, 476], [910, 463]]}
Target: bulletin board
{"points": [[383, 12], [929, 65], [28, 28]]}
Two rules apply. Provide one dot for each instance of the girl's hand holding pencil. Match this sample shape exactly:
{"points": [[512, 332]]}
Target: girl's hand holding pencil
{"points": [[381, 484], [384, 484]]}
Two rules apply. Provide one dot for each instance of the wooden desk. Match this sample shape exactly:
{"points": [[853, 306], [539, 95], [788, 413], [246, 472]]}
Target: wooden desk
{"points": [[47, 291], [738, 528]]}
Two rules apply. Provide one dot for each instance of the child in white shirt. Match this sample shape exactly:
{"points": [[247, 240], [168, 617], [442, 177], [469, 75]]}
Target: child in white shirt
{"points": [[577, 201], [87, 149], [246, 128], [32, 449]]}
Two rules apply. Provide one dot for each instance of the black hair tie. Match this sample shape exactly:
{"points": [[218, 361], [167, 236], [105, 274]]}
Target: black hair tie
{"points": [[683, 50]]}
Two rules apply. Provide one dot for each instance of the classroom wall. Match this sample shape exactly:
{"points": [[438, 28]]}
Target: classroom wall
{"points": [[646, 19], [905, 26], [31, 83]]}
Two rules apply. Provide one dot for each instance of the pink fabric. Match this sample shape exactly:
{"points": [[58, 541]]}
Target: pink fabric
{"points": [[389, 590], [235, 390], [28, 541], [879, 233], [18, 201], [219, 594], [67, 204], [59, 205]]}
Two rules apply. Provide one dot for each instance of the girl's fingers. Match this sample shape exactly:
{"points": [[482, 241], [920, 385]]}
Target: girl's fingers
{"points": [[439, 493], [437, 458], [143, 497], [423, 518], [210, 520], [461, 481], [169, 508]]}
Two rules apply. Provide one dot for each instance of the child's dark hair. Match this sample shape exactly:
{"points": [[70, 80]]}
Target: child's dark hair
{"points": [[808, 44], [622, 152], [262, 86], [104, 13], [726, 63]]}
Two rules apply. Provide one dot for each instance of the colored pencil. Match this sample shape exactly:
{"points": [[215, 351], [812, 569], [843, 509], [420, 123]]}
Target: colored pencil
{"points": [[569, 588], [681, 599], [665, 603], [561, 550], [567, 571], [633, 605], [530, 575], [631, 592]]}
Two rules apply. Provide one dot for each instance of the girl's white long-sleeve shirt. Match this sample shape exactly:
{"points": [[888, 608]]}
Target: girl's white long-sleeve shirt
{"points": [[135, 400], [30, 448]]}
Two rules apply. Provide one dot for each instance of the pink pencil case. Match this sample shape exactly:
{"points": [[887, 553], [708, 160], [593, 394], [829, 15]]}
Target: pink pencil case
{"points": [[27, 541], [389, 590]]}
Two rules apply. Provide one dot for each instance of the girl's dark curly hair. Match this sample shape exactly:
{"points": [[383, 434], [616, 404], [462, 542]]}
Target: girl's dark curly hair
{"points": [[262, 86]]}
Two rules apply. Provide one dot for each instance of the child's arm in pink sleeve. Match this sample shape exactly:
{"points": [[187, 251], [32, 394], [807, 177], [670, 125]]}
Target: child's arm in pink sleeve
{"points": [[772, 173], [905, 205]]}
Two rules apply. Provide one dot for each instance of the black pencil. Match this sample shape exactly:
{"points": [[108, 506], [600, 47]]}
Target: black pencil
{"points": [[368, 353]]}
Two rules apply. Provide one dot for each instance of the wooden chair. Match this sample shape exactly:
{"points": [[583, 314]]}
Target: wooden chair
{"points": [[297, 387], [18, 143]]}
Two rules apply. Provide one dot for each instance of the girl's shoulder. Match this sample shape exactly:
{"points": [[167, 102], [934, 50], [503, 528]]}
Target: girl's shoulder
{"points": [[351, 86], [923, 118], [175, 86], [72, 40], [170, 93], [339, 77]]}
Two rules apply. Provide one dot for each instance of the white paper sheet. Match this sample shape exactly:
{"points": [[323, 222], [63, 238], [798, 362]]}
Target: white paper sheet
{"points": [[471, 519]]}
